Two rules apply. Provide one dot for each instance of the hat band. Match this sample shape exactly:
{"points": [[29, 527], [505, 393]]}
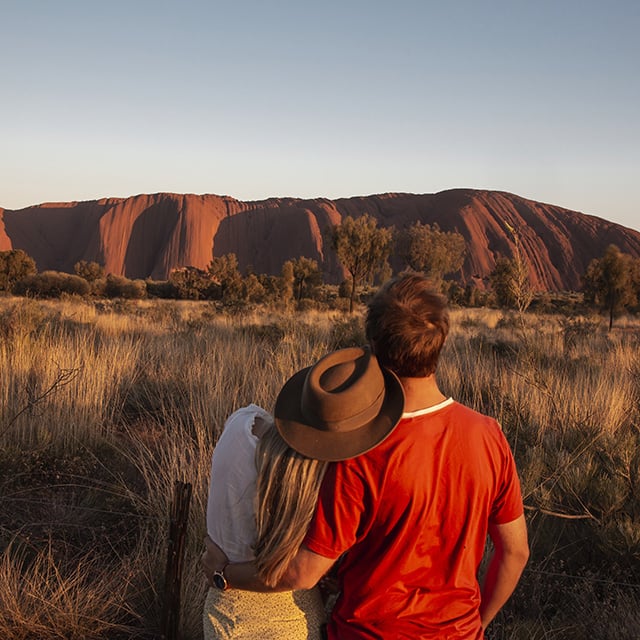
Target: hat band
{"points": [[346, 423]]}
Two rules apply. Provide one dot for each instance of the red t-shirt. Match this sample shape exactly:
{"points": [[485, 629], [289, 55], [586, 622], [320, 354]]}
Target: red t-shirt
{"points": [[413, 514]]}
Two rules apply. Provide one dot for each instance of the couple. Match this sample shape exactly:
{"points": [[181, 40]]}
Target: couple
{"points": [[404, 486]]}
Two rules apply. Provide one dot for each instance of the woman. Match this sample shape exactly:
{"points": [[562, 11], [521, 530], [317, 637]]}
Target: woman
{"points": [[337, 409], [258, 482]]}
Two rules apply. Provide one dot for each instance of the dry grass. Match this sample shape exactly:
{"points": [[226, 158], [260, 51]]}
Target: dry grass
{"points": [[42, 598], [88, 461]]}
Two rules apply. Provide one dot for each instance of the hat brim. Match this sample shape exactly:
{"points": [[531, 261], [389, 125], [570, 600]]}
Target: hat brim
{"points": [[335, 445]]}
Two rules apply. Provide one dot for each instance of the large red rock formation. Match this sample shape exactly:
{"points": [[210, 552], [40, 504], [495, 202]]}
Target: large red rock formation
{"points": [[5, 241], [148, 235]]}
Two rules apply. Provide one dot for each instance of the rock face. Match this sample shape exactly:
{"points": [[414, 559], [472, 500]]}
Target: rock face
{"points": [[148, 235]]}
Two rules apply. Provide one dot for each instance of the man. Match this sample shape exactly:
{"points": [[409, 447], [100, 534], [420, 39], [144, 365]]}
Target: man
{"points": [[410, 517]]}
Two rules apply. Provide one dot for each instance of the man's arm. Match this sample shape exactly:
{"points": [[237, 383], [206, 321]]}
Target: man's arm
{"points": [[304, 572], [511, 552]]}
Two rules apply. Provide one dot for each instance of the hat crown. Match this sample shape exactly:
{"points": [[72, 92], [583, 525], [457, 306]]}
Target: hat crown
{"points": [[339, 408], [343, 391]]}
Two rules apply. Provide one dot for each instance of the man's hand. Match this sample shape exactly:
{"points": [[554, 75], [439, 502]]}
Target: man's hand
{"points": [[213, 559]]}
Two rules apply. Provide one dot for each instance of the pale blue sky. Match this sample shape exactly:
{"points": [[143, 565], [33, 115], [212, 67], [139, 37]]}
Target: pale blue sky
{"points": [[307, 99]]}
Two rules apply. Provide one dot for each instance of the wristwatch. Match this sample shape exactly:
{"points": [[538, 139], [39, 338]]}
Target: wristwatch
{"points": [[219, 581]]}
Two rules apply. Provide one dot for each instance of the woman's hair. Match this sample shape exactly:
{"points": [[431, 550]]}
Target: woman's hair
{"points": [[287, 492]]}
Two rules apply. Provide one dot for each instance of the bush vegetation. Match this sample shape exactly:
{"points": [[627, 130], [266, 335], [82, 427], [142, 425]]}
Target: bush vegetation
{"points": [[51, 284], [105, 404], [610, 283]]}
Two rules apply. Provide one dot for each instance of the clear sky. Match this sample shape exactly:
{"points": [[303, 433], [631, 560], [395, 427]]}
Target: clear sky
{"points": [[330, 98]]}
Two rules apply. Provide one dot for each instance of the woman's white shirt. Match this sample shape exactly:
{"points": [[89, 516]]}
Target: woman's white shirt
{"points": [[232, 489]]}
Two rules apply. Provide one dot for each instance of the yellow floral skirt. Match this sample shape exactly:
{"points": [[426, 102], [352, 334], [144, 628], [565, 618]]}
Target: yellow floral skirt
{"points": [[244, 615]]}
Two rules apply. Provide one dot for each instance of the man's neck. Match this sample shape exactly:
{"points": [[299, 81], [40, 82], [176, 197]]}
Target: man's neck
{"points": [[421, 393]]}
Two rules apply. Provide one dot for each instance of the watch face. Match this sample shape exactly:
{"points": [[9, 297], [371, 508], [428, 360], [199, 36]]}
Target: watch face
{"points": [[219, 581]]}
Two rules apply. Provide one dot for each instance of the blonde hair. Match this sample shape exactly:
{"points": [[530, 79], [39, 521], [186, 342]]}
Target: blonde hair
{"points": [[287, 492]]}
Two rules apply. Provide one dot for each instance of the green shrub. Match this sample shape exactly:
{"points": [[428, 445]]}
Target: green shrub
{"points": [[52, 284], [121, 287], [162, 289]]}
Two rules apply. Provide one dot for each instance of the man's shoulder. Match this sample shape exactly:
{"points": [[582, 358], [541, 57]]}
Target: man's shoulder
{"points": [[458, 417], [466, 412], [454, 411]]}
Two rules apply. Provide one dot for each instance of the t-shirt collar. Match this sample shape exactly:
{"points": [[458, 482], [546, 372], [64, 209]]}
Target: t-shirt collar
{"points": [[424, 412]]}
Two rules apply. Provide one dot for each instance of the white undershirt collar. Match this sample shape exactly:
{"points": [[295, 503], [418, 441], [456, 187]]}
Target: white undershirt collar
{"points": [[423, 412]]}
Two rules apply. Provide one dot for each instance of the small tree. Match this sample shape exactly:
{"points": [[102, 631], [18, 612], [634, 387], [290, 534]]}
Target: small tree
{"points": [[612, 282], [190, 283], [500, 280], [287, 281], [223, 270], [253, 290], [306, 276], [362, 248], [15, 264], [429, 250], [272, 287]]}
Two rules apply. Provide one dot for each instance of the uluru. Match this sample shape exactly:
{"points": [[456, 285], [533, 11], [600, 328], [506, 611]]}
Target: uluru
{"points": [[146, 236]]}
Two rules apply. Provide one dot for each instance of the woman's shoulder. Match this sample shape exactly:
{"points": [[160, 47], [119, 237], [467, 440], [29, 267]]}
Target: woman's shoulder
{"points": [[249, 420]]}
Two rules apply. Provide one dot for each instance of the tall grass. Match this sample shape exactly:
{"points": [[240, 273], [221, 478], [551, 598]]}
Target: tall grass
{"points": [[568, 397], [104, 406], [43, 598]]}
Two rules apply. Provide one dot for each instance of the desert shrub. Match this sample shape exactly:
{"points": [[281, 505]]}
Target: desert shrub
{"points": [[341, 304], [19, 319], [191, 283], [15, 264], [162, 289], [52, 284], [121, 287], [90, 271], [253, 289], [344, 289], [326, 293], [273, 289], [307, 304], [455, 292], [99, 287], [473, 296], [577, 331]]}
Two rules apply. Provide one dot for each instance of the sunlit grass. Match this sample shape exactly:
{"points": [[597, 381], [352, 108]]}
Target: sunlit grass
{"points": [[150, 384]]}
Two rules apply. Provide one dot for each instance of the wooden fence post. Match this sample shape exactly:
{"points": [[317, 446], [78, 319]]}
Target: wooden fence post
{"points": [[175, 560]]}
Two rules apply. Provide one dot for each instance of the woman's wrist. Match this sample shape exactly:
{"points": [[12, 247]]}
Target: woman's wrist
{"points": [[220, 580]]}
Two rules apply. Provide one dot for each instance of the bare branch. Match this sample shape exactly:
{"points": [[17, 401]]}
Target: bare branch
{"points": [[565, 516], [63, 378]]}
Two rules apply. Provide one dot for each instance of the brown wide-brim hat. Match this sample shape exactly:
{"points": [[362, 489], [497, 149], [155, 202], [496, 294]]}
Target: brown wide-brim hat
{"points": [[341, 407]]}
